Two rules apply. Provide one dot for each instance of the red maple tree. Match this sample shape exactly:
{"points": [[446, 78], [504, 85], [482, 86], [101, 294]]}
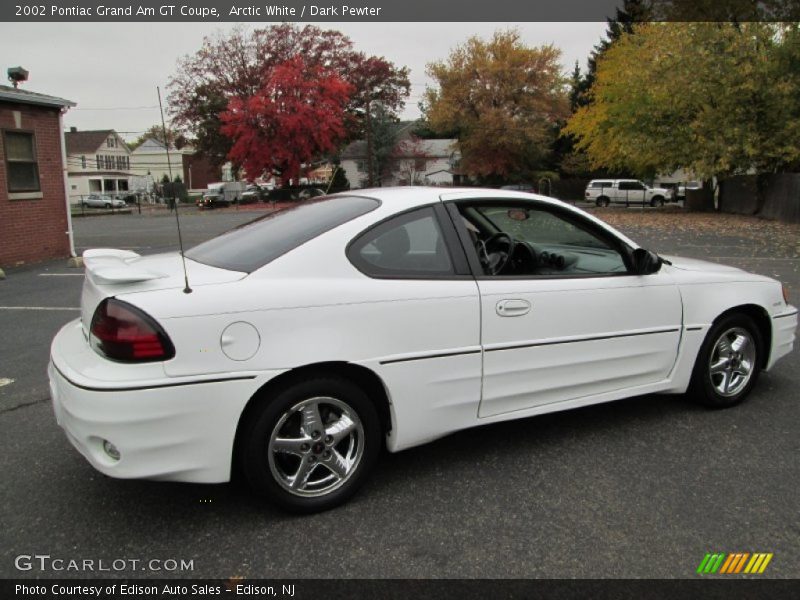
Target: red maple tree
{"points": [[296, 115]]}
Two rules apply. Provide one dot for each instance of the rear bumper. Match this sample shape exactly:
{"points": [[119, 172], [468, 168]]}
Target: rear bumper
{"points": [[784, 327], [174, 430]]}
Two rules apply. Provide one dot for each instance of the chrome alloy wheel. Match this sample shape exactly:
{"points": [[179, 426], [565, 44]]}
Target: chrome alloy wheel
{"points": [[732, 361], [316, 446]]}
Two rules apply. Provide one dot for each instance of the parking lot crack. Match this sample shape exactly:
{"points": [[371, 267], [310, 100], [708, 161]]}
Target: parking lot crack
{"points": [[23, 405]]}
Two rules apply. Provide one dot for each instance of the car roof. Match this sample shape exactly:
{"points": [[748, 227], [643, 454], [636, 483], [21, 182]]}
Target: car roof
{"points": [[406, 197]]}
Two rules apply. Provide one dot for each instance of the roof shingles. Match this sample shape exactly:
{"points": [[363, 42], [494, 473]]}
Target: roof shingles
{"points": [[12, 94]]}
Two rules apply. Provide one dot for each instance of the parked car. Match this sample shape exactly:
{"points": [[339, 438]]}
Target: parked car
{"points": [[293, 194], [688, 185], [310, 192], [316, 334], [102, 201], [520, 187], [627, 191], [252, 194]]}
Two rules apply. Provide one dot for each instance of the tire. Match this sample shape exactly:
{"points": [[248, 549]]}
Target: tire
{"points": [[710, 389], [603, 201], [657, 201], [107, 205], [311, 448]]}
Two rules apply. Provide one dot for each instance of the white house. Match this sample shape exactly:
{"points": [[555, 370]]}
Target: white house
{"points": [[149, 159], [414, 161], [98, 162]]}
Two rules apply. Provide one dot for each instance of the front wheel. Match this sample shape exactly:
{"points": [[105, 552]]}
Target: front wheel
{"points": [[310, 447], [728, 363]]}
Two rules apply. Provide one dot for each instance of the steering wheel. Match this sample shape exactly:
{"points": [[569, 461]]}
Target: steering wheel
{"points": [[493, 259]]}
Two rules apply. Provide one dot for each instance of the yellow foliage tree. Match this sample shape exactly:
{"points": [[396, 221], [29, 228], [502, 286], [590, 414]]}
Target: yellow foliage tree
{"points": [[715, 98], [502, 99]]}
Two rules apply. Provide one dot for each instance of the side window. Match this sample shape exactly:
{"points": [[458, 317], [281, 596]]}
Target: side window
{"points": [[526, 240], [410, 245], [22, 166], [631, 185]]}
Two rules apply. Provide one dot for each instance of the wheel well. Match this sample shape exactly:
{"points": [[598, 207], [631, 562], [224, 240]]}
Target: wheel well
{"points": [[363, 377], [762, 321]]}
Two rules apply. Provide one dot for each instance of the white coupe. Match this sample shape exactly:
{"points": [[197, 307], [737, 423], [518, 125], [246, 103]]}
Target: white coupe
{"points": [[309, 338]]}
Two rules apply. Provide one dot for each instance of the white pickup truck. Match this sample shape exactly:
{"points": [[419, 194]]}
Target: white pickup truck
{"points": [[626, 191]]}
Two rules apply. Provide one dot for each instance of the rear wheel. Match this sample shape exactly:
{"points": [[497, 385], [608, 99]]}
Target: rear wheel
{"points": [[728, 363], [310, 447], [603, 201], [657, 201]]}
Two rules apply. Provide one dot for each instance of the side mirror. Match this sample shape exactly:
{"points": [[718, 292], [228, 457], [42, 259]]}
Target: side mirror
{"points": [[645, 262]]}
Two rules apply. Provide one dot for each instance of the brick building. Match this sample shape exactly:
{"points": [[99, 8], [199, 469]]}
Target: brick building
{"points": [[34, 221]]}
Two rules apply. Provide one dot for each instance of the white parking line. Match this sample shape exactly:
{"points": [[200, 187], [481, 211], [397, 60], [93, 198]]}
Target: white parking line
{"points": [[60, 274], [5, 381], [39, 308]]}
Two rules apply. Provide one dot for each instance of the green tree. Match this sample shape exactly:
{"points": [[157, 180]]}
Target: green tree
{"points": [[503, 99], [716, 98], [340, 181]]}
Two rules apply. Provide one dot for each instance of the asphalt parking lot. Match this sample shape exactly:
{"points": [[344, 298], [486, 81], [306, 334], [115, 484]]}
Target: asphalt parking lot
{"points": [[640, 488]]}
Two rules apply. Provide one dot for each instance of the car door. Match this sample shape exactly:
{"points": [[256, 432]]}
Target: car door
{"points": [[632, 192], [426, 328], [572, 323]]}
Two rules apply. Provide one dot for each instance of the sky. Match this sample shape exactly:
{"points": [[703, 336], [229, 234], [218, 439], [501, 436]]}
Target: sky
{"points": [[111, 70]]}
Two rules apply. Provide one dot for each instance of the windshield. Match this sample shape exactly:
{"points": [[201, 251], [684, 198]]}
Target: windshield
{"points": [[253, 245]]}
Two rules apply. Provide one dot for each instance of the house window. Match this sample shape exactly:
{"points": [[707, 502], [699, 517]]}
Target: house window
{"points": [[21, 165], [111, 142], [361, 166], [83, 161], [99, 162]]}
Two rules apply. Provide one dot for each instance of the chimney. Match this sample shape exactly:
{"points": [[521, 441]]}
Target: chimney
{"points": [[73, 130]]}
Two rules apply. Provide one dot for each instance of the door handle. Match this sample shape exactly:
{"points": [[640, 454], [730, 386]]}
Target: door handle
{"points": [[513, 308]]}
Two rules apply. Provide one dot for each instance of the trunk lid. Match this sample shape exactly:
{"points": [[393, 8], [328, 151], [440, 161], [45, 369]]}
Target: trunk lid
{"points": [[110, 272]]}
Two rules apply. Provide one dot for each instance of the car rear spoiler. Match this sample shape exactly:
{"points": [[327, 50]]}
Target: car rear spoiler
{"points": [[113, 266]]}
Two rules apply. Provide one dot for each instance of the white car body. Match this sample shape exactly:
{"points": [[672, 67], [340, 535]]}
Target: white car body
{"points": [[103, 201], [440, 348]]}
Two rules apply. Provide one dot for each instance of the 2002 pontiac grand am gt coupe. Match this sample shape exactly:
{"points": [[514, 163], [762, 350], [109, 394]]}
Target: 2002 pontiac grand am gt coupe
{"points": [[315, 334]]}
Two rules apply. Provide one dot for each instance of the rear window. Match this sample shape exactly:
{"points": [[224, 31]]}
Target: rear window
{"points": [[600, 184], [253, 245]]}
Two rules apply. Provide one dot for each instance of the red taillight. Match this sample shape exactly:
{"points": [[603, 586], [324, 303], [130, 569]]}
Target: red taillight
{"points": [[122, 332]]}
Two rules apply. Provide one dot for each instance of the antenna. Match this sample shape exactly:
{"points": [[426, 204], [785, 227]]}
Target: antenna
{"points": [[187, 289]]}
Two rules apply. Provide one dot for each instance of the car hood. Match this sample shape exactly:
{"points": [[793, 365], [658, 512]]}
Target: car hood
{"points": [[696, 265]]}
